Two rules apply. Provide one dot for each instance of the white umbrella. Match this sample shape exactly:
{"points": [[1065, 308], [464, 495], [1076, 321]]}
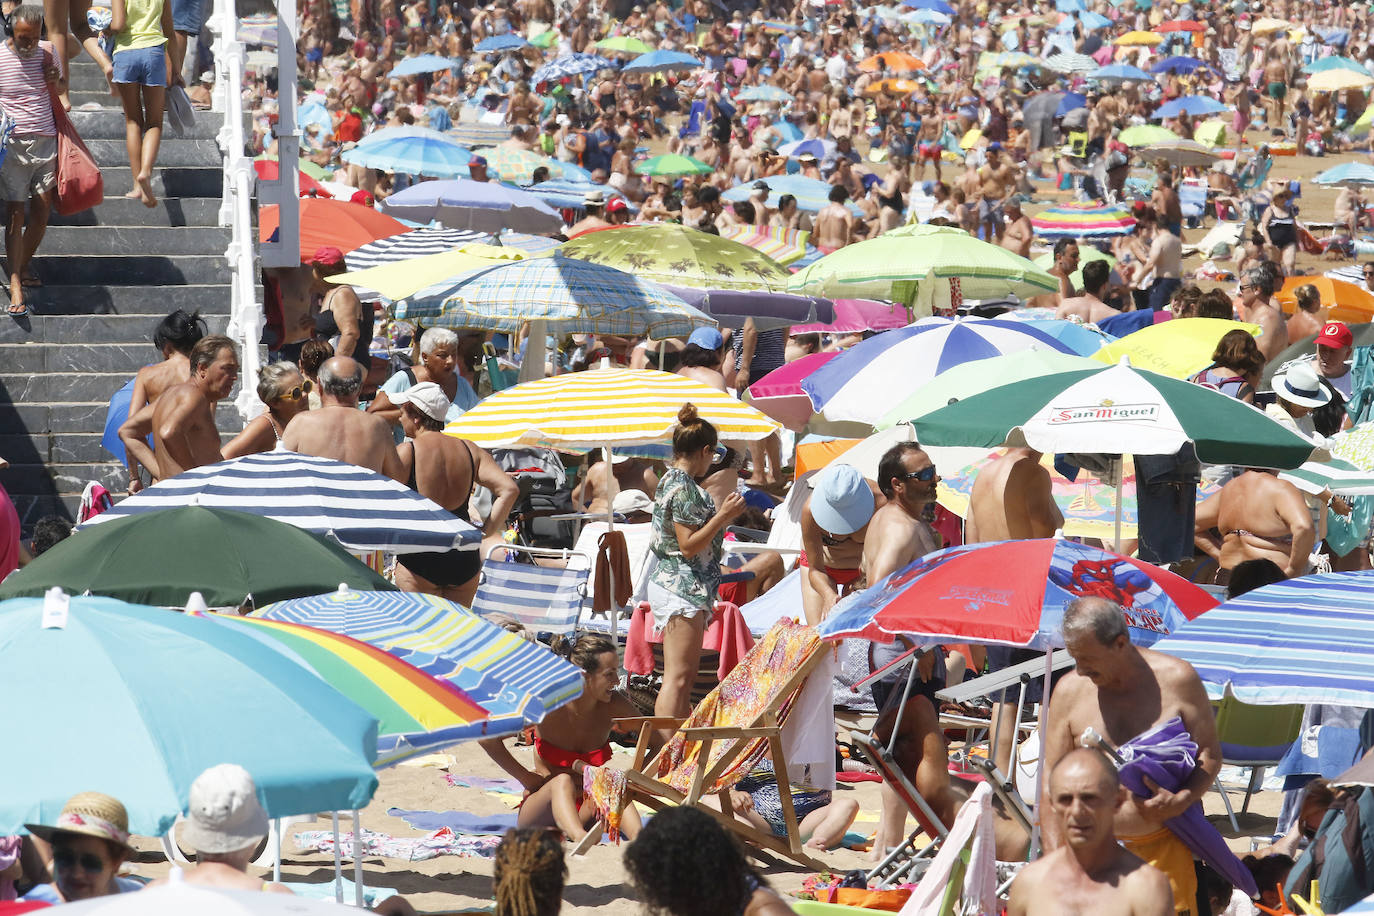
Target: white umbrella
{"points": [[179, 898]]}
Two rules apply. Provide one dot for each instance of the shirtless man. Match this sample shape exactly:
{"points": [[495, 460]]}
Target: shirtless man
{"points": [[1258, 516], [1122, 691], [834, 524], [183, 422], [1018, 232], [834, 223], [341, 431], [1090, 875], [997, 179], [591, 492], [175, 336], [1065, 263], [1307, 318], [1089, 307], [1256, 289], [594, 204]]}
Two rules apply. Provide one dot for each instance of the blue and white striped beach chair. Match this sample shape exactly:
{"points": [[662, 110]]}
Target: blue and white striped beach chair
{"points": [[542, 599]]}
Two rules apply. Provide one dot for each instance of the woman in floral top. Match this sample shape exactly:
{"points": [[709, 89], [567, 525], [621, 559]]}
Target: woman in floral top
{"points": [[688, 530]]}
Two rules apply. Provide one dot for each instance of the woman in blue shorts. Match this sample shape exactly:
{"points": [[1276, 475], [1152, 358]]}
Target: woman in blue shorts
{"points": [[143, 35]]}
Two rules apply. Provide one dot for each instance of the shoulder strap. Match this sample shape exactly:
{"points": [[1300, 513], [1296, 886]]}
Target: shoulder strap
{"points": [[410, 375]]}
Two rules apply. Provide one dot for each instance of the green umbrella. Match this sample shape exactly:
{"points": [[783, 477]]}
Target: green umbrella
{"points": [[670, 165], [161, 557], [1086, 255], [545, 39], [900, 266], [679, 256], [626, 44], [315, 171], [1145, 134]]}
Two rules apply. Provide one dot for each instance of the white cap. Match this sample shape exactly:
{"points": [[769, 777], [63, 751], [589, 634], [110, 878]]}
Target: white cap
{"points": [[427, 397], [628, 501], [224, 814]]}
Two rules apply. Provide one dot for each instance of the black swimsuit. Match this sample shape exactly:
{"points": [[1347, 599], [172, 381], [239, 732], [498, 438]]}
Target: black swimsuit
{"points": [[445, 568]]}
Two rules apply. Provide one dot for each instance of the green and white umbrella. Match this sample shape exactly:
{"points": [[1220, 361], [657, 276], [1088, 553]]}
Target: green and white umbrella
{"points": [[1340, 477]]}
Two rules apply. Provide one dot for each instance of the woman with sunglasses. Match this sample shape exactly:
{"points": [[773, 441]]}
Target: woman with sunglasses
{"points": [[285, 391], [89, 841]]}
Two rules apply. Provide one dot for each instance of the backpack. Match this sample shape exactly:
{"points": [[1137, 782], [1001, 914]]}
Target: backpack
{"points": [[1340, 856]]}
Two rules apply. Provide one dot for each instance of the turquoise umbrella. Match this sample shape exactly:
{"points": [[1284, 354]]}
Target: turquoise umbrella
{"points": [[411, 151], [137, 701]]}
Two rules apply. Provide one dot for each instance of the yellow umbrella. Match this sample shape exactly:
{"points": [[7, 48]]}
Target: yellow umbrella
{"points": [[1177, 348], [1215, 132], [1336, 80], [1268, 25], [1139, 38], [400, 279]]}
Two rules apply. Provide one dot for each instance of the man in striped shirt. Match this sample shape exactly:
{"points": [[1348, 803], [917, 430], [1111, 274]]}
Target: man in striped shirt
{"points": [[27, 72]]}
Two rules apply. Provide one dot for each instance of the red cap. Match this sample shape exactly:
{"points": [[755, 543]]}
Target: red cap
{"points": [[615, 205], [361, 197], [1335, 334], [329, 256]]}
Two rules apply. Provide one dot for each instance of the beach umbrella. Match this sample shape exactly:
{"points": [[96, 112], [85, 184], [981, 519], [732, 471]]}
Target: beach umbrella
{"points": [[482, 206], [1006, 60], [1093, 21], [360, 509], [399, 279], [820, 148], [781, 245], [531, 245], [580, 410], [1213, 133], [733, 308], [811, 193], [1117, 73], [314, 113], [1179, 349], [308, 747], [1343, 301], [1352, 174], [623, 44], [899, 86], [115, 415], [573, 296], [917, 264], [1337, 475], [1086, 220], [1193, 105], [423, 63], [854, 316], [764, 93], [303, 165], [258, 29], [517, 681], [1338, 80], [1268, 25], [570, 65], [268, 170], [1179, 65], [1181, 153], [1070, 62], [681, 256], [1356, 446], [334, 223], [562, 194], [1304, 640], [1149, 39], [871, 378], [494, 43], [1181, 25], [1086, 255], [162, 557], [1083, 339], [662, 62], [179, 897], [1334, 62], [1146, 134], [926, 17], [517, 166], [672, 165], [896, 61], [411, 151], [1070, 101], [779, 394], [938, 6], [410, 244], [479, 133]]}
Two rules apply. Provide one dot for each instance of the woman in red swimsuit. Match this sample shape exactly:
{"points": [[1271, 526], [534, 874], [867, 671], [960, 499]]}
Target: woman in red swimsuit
{"points": [[569, 739]]}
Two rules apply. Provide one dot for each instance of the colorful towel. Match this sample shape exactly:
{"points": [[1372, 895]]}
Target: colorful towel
{"points": [[410, 849], [605, 787], [459, 822]]}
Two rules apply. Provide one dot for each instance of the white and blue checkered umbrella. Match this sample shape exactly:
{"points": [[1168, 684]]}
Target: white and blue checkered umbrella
{"points": [[360, 509], [1307, 640], [571, 65]]}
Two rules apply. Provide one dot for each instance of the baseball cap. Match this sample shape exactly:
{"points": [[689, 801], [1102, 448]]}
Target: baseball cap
{"points": [[327, 256], [762, 186], [628, 501], [477, 160], [615, 205], [224, 814], [995, 147], [707, 338], [427, 397], [1335, 334], [842, 502]]}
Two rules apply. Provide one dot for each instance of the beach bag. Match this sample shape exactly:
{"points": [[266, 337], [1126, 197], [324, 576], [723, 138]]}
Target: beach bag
{"points": [[79, 185], [1341, 855]]}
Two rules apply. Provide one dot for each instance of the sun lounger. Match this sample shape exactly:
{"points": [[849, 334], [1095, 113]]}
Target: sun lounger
{"points": [[542, 599]]}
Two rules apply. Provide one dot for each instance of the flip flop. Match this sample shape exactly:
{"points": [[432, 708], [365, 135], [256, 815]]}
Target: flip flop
{"points": [[18, 311]]}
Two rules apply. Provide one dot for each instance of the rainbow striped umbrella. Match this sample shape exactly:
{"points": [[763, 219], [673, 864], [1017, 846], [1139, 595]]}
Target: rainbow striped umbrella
{"points": [[1089, 220], [782, 245]]}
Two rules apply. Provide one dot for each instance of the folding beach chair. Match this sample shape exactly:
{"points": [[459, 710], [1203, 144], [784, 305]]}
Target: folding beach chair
{"points": [[721, 742], [904, 863], [1255, 737], [542, 599]]}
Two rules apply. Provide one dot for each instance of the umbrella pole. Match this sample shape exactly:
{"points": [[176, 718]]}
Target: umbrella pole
{"points": [[1120, 486], [357, 858], [612, 488], [338, 860], [1040, 774], [276, 857], [906, 694]]}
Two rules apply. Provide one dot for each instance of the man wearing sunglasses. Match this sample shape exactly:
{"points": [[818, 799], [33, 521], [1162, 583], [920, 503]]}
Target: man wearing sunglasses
{"points": [[898, 534], [1257, 306]]}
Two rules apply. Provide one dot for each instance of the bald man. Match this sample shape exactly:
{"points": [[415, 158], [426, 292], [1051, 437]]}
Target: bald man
{"points": [[341, 431]]}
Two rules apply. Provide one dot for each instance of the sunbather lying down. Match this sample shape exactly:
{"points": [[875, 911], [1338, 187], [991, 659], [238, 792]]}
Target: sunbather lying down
{"points": [[922, 754]]}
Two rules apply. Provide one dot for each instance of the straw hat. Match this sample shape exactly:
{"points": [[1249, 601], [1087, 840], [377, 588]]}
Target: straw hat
{"points": [[89, 814]]}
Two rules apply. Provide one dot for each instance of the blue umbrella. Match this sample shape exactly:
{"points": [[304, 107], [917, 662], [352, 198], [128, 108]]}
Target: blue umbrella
{"points": [[811, 193], [1190, 104], [571, 65], [1179, 65], [569, 195], [1351, 173], [118, 677], [424, 63], [1070, 102], [764, 93], [927, 17], [938, 6], [662, 62], [770, 311], [481, 205], [1081, 339], [115, 416], [821, 149], [1070, 6], [411, 151], [508, 42], [314, 112], [1119, 72], [1093, 21]]}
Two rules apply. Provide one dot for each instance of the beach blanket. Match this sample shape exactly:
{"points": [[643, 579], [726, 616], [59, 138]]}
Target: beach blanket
{"points": [[458, 821], [371, 895], [499, 786], [409, 849]]}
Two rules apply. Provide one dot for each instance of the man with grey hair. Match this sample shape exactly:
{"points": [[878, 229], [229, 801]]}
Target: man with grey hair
{"points": [[341, 431], [1122, 691], [1257, 306]]}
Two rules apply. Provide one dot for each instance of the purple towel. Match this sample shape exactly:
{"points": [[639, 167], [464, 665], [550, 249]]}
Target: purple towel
{"points": [[458, 821], [1168, 755]]}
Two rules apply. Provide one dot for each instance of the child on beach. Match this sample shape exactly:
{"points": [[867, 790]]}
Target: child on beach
{"points": [[143, 33]]}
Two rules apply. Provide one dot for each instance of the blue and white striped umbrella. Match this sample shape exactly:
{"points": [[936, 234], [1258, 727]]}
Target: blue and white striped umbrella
{"points": [[360, 509], [571, 65], [571, 195], [413, 244], [764, 93], [1307, 640], [866, 381], [516, 680], [424, 63]]}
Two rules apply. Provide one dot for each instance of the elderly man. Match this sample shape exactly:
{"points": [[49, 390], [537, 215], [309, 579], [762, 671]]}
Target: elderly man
{"points": [[1258, 517], [341, 431], [1257, 306], [28, 71], [1123, 691], [1091, 872], [1018, 233], [183, 423], [834, 524]]}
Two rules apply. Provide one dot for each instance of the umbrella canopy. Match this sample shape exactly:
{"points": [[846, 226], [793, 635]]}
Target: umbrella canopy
{"points": [[868, 380], [1306, 640], [479, 133], [910, 263], [1145, 134], [895, 61], [162, 557], [1356, 446], [779, 394], [493, 43], [681, 256], [617, 406], [1193, 105], [1149, 39], [1181, 25], [764, 93], [565, 194], [1334, 62], [938, 6], [1087, 220], [1026, 585], [672, 165], [309, 748], [1117, 410], [1356, 174], [413, 243], [1338, 476], [334, 223], [1178, 65], [623, 44], [769, 311], [1213, 133], [545, 39], [517, 166], [115, 415], [307, 167], [423, 63], [270, 170], [1070, 101], [570, 65], [1338, 80], [359, 508], [515, 680], [1069, 62], [572, 296], [1181, 153], [411, 151], [1083, 339], [662, 62], [781, 245], [811, 193], [818, 147], [1179, 348], [1343, 301], [1118, 73], [400, 279], [854, 316], [481, 206]]}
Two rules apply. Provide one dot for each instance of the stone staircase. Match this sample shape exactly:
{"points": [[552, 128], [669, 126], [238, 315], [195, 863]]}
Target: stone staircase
{"points": [[109, 275]]}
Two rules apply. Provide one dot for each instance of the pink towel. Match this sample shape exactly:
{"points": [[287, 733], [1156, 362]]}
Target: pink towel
{"points": [[727, 634]]}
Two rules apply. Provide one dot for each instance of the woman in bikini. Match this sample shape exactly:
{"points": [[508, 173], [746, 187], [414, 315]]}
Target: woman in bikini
{"points": [[285, 391], [569, 739]]}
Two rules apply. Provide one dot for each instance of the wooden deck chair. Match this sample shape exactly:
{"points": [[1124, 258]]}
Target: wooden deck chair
{"points": [[723, 739]]}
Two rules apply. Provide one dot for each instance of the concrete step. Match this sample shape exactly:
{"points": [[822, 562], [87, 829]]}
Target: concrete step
{"points": [[129, 269], [44, 481], [34, 508], [100, 240], [99, 97], [172, 153], [167, 181], [148, 302], [76, 418], [60, 330], [123, 211], [85, 447], [86, 79], [108, 124]]}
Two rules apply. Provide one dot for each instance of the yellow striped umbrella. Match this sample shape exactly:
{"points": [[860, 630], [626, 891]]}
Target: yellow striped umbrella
{"points": [[602, 407]]}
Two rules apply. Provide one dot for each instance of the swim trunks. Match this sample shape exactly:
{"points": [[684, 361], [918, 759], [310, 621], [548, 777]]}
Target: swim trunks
{"points": [[1166, 852], [1277, 90]]}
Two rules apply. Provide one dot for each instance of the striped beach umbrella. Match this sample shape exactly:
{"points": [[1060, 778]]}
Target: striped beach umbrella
{"points": [[514, 680], [582, 410], [412, 151], [360, 509], [1340, 477], [1068, 62], [782, 245], [479, 133], [1086, 220], [413, 244], [571, 65], [1306, 640], [517, 166]]}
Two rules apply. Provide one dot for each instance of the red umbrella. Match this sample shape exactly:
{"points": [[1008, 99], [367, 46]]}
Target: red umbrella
{"points": [[332, 222], [1181, 25], [269, 169]]}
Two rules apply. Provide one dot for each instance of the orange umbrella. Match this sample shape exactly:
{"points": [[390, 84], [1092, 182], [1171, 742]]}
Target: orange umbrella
{"points": [[900, 86], [812, 456], [332, 222], [897, 61], [1345, 301]]}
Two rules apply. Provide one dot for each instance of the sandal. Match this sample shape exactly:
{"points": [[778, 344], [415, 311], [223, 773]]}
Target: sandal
{"points": [[18, 311]]}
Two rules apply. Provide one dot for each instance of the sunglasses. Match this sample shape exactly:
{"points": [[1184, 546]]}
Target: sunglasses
{"points": [[924, 474], [64, 857], [300, 391]]}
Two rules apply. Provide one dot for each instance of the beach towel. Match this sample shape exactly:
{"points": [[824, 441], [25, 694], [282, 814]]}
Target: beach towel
{"points": [[500, 786], [409, 849], [612, 563], [459, 822], [966, 861], [727, 633]]}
